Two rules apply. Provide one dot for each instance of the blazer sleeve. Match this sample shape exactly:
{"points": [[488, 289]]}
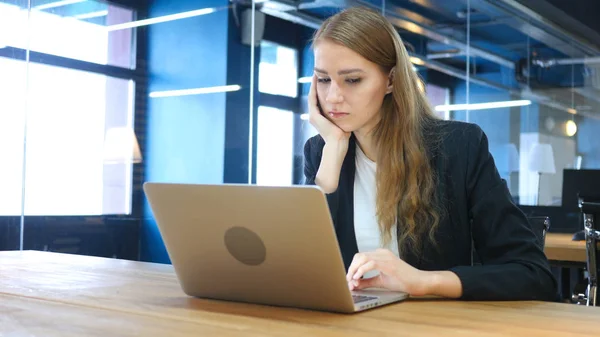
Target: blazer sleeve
{"points": [[513, 267], [313, 152]]}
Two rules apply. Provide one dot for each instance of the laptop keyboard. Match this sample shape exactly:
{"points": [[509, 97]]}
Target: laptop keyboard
{"points": [[362, 298]]}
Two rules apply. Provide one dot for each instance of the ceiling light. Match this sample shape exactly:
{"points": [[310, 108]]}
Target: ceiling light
{"points": [[480, 106], [91, 15], [417, 61], [570, 128], [195, 91], [57, 4], [165, 18]]}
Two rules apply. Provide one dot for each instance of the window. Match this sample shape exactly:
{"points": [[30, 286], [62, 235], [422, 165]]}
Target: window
{"points": [[68, 114], [438, 96], [77, 30], [275, 146], [277, 117], [54, 117], [278, 72]]}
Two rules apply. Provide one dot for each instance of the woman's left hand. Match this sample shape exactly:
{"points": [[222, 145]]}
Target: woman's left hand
{"points": [[394, 274]]}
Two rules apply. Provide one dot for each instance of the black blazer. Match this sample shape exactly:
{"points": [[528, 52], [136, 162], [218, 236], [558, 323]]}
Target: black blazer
{"points": [[479, 210]]}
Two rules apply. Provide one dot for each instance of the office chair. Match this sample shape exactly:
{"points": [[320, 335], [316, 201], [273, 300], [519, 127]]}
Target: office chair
{"points": [[540, 226], [591, 219]]}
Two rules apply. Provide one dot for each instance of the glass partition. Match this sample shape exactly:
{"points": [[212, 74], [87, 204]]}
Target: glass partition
{"points": [[13, 105], [531, 86], [199, 87], [103, 96], [100, 97]]}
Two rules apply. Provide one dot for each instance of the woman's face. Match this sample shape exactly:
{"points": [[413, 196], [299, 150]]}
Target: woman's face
{"points": [[350, 88]]}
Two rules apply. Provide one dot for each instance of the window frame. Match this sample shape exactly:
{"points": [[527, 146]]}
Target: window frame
{"points": [[277, 102], [137, 74]]}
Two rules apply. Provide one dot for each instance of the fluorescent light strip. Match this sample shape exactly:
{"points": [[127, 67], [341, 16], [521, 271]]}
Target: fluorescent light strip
{"points": [[195, 91], [91, 15], [476, 106], [164, 18], [57, 4], [480, 106], [416, 60], [308, 79]]}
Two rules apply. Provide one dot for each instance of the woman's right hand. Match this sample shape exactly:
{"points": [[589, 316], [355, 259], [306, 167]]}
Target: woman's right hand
{"points": [[336, 144], [330, 132]]}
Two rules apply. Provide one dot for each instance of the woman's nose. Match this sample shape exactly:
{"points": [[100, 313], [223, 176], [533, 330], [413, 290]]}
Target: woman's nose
{"points": [[334, 94]]}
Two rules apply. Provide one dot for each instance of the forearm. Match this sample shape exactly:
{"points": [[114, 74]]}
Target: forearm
{"points": [[444, 284], [509, 281], [328, 175]]}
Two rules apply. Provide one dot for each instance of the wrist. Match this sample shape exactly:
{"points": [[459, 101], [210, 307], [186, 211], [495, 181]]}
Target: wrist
{"points": [[338, 148], [425, 284], [331, 163], [442, 283], [432, 283]]}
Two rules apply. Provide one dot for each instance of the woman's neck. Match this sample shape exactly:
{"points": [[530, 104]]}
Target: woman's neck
{"points": [[366, 143]]}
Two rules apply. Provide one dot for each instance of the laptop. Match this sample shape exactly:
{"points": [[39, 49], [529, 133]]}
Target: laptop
{"points": [[257, 244]]}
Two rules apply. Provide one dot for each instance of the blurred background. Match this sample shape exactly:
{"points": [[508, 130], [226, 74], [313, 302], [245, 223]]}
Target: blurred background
{"points": [[97, 97]]}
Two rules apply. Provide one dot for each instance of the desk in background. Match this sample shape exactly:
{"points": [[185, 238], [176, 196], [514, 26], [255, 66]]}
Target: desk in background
{"points": [[561, 247], [49, 294], [566, 254]]}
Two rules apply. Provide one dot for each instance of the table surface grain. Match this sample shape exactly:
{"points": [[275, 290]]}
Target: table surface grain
{"points": [[50, 294]]}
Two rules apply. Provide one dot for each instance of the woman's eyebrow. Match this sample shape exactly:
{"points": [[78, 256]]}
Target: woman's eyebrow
{"points": [[341, 72]]}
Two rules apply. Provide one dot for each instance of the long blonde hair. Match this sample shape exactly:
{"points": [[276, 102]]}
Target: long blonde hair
{"points": [[405, 179]]}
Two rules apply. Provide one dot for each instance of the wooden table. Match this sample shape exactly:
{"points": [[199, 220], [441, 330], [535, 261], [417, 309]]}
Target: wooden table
{"points": [[567, 255], [49, 294], [561, 247]]}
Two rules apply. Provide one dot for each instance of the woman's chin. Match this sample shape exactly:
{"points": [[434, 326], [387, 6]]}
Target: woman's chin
{"points": [[344, 126]]}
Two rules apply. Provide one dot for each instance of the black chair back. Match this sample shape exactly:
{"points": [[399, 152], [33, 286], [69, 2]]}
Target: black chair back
{"points": [[540, 226], [591, 222]]}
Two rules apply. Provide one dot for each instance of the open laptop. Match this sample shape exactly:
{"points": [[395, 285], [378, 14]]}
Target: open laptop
{"points": [[257, 244]]}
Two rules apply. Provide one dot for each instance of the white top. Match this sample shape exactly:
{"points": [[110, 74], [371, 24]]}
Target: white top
{"points": [[366, 228]]}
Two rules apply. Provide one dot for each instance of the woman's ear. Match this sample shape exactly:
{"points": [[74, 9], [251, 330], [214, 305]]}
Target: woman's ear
{"points": [[390, 85]]}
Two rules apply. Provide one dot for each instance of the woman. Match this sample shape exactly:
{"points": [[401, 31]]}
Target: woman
{"points": [[412, 197]]}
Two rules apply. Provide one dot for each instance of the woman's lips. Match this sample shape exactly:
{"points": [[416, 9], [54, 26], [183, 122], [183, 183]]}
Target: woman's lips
{"points": [[338, 114]]}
